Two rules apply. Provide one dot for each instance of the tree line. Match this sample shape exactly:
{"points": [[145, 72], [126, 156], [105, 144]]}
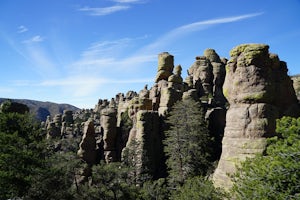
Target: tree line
{"points": [[34, 168]]}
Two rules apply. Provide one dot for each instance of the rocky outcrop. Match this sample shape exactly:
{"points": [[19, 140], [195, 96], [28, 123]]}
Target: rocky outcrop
{"points": [[146, 138], [109, 126], [202, 73], [296, 84], [67, 117], [87, 147], [219, 73], [165, 66], [61, 125], [207, 75], [259, 91]]}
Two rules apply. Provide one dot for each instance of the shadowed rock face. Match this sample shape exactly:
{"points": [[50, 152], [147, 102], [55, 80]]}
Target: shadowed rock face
{"points": [[259, 91], [87, 147], [109, 125]]}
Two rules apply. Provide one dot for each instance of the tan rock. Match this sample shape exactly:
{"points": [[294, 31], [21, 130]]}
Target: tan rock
{"points": [[165, 66], [259, 91], [108, 122], [87, 146]]}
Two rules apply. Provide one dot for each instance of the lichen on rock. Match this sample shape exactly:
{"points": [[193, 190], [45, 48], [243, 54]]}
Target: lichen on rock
{"points": [[259, 91]]}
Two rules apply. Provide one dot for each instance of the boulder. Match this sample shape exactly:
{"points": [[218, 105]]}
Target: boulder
{"points": [[165, 66]]}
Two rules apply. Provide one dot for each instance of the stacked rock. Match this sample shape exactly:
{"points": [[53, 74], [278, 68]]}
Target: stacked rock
{"points": [[218, 75], [259, 91], [202, 73], [108, 121], [165, 66]]}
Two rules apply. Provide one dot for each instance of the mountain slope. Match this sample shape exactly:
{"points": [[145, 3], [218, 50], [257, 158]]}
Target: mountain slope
{"points": [[42, 109]]}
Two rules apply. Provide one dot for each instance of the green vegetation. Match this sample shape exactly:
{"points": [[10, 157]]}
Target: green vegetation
{"points": [[198, 188], [109, 181], [275, 175], [20, 152], [34, 168], [188, 149]]}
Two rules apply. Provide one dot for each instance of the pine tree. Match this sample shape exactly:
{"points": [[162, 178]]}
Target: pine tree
{"points": [[187, 142], [276, 174], [21, 150]]}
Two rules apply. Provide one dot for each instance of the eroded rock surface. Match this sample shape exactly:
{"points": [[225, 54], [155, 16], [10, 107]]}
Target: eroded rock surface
{"points": [[87, 147], [296, 84], [109, 126], [259, 91]]}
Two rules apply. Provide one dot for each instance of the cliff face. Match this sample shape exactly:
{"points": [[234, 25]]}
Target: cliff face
{"points": [[256, 91], [259, 91]]}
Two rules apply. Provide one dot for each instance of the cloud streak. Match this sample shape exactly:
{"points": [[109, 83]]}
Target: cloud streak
{"points": [[196, 26], [79, 81], [22, 29], [126, 1], [34, 39], [105, 10], [103, 60], [120, 5]]}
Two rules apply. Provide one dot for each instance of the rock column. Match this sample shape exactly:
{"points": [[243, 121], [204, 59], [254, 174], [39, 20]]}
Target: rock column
{"points": [[254, 86], [109, 125]]}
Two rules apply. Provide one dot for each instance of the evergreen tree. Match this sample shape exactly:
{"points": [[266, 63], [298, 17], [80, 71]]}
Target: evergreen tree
{"points": [[275, 175], [108, 181], [56, 178], [155, 190], [187, 142], [21, 150], [198, 188]]}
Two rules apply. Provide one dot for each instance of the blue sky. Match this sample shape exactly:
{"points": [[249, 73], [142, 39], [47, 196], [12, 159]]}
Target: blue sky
{"points": [[77, 51]]}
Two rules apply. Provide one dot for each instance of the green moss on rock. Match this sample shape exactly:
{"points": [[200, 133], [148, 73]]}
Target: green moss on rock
{"points": [[256, 96]]}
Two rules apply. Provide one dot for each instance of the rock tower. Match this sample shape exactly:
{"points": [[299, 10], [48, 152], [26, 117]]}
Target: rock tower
{"points": [[259, 91]]}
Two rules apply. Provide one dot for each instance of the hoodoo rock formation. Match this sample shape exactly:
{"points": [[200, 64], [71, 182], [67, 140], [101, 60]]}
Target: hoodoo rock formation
{"points": [[259, 91], [242, 98], [87, 146]]}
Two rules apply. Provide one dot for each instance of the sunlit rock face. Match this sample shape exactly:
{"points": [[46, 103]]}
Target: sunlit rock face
{"points": [[259, 91], [296, 84]]}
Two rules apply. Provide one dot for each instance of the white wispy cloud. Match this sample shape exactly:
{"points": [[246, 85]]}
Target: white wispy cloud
{"points": [[34, 39], [108, 56], [42, 61], [79, 81], [104, 10], [196, 26], [119, 6], [22, 29], [127, 1]]}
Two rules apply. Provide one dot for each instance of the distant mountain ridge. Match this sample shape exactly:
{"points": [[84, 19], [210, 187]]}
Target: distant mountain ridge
{"points": [[42, 109]]}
